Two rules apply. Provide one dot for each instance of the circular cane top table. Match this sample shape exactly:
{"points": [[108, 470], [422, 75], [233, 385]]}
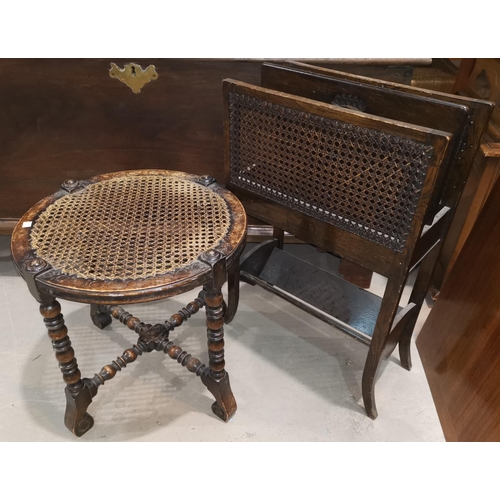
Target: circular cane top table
{"points": [[129, 236]]}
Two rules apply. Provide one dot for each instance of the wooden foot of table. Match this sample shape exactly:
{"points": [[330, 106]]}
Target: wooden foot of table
{"points": [[100, 318], [76, 418], [225, 404]]}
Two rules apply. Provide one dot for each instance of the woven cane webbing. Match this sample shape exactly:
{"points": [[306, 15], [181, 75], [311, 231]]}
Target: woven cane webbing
{"points": [[358, 179], [130, 227]]}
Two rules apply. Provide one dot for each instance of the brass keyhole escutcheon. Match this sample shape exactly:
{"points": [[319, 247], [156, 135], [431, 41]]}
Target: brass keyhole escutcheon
{"points": [[133, 75]]}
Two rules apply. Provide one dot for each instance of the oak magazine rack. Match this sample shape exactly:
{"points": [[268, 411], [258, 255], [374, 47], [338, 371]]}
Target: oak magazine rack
{"points": [[364, 169]]}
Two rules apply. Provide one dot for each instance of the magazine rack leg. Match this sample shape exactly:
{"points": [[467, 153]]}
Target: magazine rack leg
{"points": [[381, 332], [233, 291], [417, 296]]}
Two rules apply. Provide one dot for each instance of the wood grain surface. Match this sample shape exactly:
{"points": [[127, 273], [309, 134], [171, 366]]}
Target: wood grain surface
{"points": [[67, 118], [459, 343]]}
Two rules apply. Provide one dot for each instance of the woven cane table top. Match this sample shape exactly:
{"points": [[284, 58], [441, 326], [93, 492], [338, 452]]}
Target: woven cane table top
{"points": [[129, 232]]}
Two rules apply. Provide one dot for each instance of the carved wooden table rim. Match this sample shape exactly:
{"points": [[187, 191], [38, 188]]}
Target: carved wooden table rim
{"points": [[182, 231]]}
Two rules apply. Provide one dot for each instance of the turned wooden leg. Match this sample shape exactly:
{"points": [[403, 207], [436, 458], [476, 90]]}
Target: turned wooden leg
{"points": [[216, 379], [78, 393], [100, 318]]}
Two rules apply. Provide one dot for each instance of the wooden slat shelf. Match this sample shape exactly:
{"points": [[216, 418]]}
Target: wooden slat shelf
{"points": [[336, 301]]}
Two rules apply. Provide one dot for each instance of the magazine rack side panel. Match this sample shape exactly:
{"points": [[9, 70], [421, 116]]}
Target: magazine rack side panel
{"points": [[365, 176]]}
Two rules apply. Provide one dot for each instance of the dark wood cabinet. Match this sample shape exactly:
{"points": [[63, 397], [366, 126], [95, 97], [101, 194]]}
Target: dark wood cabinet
{"points": [[68, 118], [459, 343]]}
